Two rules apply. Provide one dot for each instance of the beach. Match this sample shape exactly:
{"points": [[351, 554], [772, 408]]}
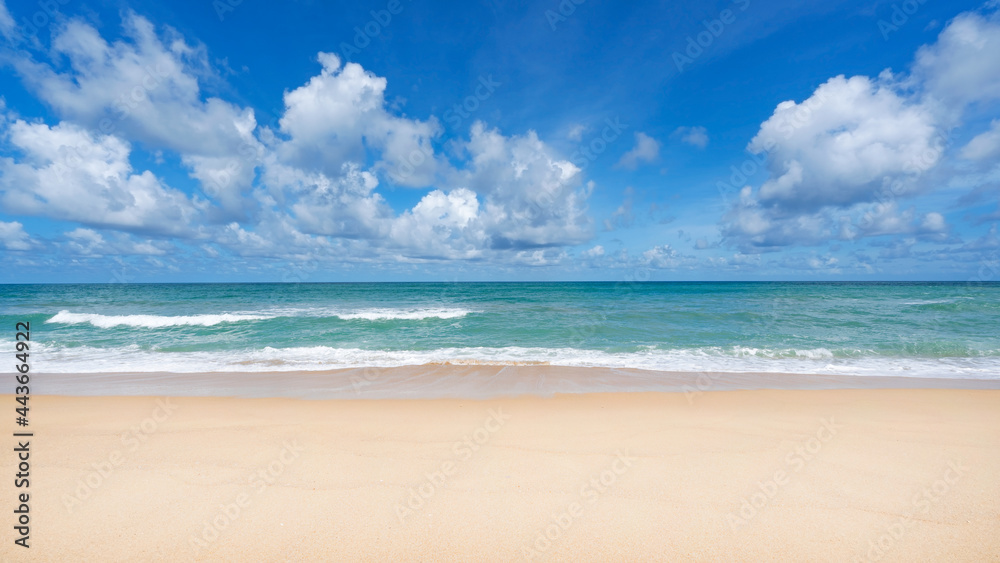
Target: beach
{"points": [[750, 475], [559, 281], [507, 422]]}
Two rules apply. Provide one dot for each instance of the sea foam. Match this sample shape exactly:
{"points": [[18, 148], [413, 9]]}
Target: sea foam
{"points": [[150, 321], [158, 321], [132, 358], [403, 314]]}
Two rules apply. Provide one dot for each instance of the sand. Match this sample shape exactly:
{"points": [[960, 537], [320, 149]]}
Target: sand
{"points": [[768, 475], [484, 381]]}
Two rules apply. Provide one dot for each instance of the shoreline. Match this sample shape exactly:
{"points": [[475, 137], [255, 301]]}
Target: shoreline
{"points": [[766, 475], [462, 381]]}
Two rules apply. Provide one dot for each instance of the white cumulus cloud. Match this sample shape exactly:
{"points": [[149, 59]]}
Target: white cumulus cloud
{"points": [[13, 236], [68, 173], [842, 162], [694, 136], [646, 150]]}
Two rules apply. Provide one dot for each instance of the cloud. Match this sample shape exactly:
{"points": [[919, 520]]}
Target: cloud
{"points": [[897, 249], [886, 219], [87, 242], [595, 252], [961, 67], [984, 146], [442, 226], [933, 222], [540, 258], [146, 88], [530, 197], [70, 174], [694, 136], [703, 244], [339, 113], [13, 237], [663, 257], [576, 133], [342, 206], [753, 227], [623, 217], [306, 186], [989, 241], [823, 263], [7, 26], [857, 132], [647, 149], [841, 162]]}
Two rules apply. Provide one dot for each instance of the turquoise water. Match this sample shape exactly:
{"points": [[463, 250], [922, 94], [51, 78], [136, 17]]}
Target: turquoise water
{"points": [[916, 329]]}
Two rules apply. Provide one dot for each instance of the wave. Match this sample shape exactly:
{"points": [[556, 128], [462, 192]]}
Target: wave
{"points": [[151, 321], [133, 358], [403, 314], [159, 321]]}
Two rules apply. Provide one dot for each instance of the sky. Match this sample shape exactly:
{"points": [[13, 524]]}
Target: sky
{"points": [[397, 140]]}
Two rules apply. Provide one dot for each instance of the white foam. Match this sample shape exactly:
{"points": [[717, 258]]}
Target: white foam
{"points": [[403, 314], [60, 359], [150, 321], [158, 321], [773, 353]]}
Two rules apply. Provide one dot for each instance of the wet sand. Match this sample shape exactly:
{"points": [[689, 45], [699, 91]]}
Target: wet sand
{"points": [[485, 381]]}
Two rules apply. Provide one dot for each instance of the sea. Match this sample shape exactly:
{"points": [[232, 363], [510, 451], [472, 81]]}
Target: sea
{"points": [[919, 330]]}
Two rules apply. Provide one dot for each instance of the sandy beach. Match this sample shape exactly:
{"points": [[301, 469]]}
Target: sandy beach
{"points": [[767, 475]]}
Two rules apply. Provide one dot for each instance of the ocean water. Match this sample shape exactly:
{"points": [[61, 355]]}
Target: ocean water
{"points": [[949, 330]]}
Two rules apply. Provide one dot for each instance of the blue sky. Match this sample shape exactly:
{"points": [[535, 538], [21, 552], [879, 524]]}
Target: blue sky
{"points": [[403, 140]]}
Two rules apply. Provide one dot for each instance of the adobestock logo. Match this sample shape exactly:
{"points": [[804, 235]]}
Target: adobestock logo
{"points": [[364, 34], [795, 462], [900, 16], [461, 111], [590, 491], [562, 12], [48, 12], [463, 450], [696, 46]]}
